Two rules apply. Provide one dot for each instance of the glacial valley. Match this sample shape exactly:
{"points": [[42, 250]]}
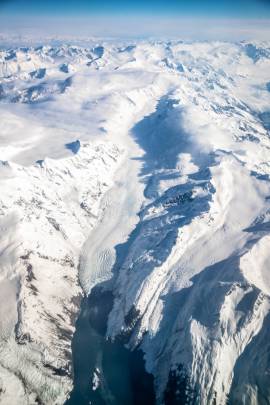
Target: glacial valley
{"points": [[137, 172]]}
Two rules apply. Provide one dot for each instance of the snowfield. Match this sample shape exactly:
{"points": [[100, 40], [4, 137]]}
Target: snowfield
{"points": [[145, 167]]}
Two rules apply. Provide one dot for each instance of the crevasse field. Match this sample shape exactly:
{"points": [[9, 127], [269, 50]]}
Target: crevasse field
{"points": [[142, 169]]}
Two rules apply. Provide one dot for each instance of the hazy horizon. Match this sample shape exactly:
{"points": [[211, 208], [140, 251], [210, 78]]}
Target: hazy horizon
{"points": [[223, 20]]}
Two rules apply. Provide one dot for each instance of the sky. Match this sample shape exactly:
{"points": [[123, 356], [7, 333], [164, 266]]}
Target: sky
{"points": [[191, 8], [188, 19]]}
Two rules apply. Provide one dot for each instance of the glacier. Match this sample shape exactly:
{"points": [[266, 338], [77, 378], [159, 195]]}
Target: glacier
{"points": [[140, 168]]}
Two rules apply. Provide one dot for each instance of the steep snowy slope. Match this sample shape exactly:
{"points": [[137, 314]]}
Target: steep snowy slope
{"points": [[193, 288], [46, 213], [143, 168]]}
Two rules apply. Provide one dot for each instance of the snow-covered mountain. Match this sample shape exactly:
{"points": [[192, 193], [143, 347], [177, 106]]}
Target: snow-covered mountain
{"points": [[142, 167]]}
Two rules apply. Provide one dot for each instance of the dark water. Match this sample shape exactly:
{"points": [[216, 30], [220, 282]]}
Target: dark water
{"points": [[122, 376]]}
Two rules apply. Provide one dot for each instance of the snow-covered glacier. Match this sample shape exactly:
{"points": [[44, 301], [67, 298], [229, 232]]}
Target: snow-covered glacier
{"points": [[140, 168]]}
